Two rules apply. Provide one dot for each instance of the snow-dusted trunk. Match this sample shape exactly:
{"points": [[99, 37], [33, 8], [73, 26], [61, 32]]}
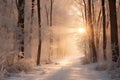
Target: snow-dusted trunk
{"points": [[20, 24], [51, 33], [32, 11], [118, 8], [114, 30], [104, 29], [91, 36], [47, 14]]}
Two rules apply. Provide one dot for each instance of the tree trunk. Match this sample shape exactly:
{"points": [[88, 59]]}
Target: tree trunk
{"points": [[85, 9], [51, 12], [91, 30], [51, 33], [39, 24], [20, 24], [104, 29], [32, 11], [47, 15], [114, 30]]}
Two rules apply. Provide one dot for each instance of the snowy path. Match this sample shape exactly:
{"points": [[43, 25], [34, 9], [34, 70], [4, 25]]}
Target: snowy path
{"points": [[67, 70]]}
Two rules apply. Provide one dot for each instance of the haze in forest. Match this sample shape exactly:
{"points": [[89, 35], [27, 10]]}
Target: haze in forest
{"points": [[59, 34]]}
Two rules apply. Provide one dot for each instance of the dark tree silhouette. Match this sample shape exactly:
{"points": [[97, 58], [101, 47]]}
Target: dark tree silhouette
{"points": [[20, 24], [104, 29], [32, 11], [39, 24], [114, 30]]}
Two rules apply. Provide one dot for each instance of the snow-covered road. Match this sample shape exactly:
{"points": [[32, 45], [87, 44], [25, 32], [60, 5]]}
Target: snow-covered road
{"points": [[66, 70]]}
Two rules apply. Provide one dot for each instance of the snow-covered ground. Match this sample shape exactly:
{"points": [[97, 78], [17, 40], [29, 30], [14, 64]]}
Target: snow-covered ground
{"points": [[67, 69]]}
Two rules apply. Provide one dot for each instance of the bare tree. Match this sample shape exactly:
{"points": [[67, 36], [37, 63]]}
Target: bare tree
{"points": [[47, 14], [104, 28], [114, 30], [20, 24], [51, 33], [51, 12], [32, 11], [91, 30], [39, 24], [85, 10]]}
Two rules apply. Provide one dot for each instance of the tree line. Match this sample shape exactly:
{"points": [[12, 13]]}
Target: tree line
{"points": [[102, 21]]}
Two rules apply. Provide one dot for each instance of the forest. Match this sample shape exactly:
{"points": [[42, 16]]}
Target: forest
{"points": [[58, 35]]}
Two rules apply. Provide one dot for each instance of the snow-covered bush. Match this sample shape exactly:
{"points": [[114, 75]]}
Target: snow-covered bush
{"points": [[2, 70], [114, 71], [22, 65], [10, 63], [5, 61]]}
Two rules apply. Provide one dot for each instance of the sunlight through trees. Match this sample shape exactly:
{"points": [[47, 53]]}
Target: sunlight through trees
{"points": [[40, 32]]}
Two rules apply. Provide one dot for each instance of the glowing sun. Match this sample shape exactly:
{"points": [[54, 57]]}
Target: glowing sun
{"points": [[81, 30]]}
